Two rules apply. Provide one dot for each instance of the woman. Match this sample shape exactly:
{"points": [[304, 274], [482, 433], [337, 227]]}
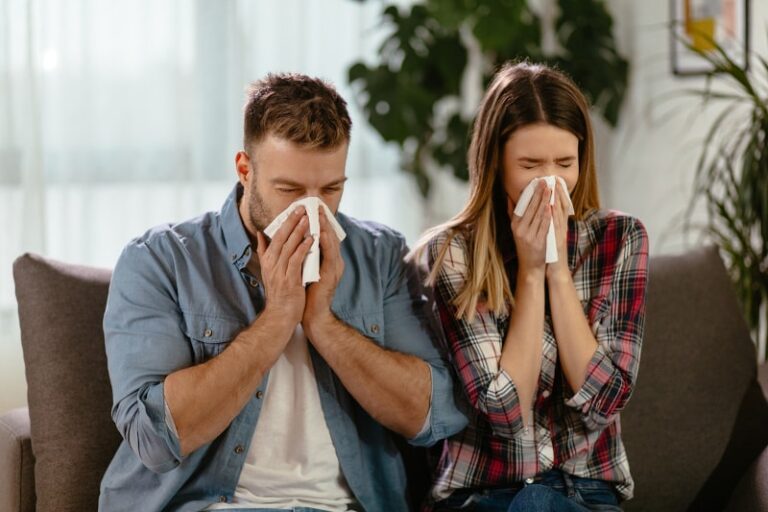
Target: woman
{"points": [[547, 352]]}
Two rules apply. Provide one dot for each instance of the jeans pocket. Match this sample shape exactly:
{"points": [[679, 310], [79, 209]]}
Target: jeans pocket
{"points": [[598, 499], [456, 501]]}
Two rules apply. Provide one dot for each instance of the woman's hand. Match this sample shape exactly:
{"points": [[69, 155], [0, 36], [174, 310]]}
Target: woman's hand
{"points": [[560, 269], [530, 230]]}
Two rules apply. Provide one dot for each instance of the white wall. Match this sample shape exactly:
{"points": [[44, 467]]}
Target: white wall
{"points": [[651, 161]]}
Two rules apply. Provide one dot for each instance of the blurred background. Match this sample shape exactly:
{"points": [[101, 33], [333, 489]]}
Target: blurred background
{"points": [[118, 115]]}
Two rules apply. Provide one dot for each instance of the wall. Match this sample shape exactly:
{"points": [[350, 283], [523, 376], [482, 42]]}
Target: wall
{"points": [[652, 156]]}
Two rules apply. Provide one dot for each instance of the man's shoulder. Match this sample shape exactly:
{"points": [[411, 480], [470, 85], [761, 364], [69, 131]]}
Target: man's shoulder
{"points": [[165, 240], [370, 233]]}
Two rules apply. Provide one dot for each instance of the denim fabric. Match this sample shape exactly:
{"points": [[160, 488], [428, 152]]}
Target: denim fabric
{"points": [[296, 509], [180, 293], [553, 491]]}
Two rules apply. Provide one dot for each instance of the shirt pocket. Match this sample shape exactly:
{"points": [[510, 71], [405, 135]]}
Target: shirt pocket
{"points": [[210, 335], [369, 323]]}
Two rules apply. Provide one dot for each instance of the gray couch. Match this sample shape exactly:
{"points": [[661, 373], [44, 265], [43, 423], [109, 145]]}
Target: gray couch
{"points": [[695, 430]]}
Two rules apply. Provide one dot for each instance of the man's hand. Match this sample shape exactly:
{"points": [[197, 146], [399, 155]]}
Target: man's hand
{"points": [[317, 311], [281, 261]]}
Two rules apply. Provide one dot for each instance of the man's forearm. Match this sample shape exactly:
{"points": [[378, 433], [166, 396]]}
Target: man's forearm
{"points": [[204, 399], [394, 388]]}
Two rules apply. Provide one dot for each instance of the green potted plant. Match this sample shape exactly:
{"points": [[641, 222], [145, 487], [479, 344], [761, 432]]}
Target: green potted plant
{"points": [[416, 94], [732, 179]]}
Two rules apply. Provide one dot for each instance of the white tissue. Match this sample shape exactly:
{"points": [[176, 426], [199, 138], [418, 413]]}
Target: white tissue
{"points": [[525, 198], [310, 270]]}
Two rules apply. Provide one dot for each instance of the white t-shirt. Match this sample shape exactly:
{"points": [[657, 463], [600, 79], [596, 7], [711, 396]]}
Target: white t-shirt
{"points": [[291, 461]]}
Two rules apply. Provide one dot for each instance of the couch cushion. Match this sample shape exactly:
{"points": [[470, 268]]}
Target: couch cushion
{"points": [[697, 377], [73, 438], [17, 463]]}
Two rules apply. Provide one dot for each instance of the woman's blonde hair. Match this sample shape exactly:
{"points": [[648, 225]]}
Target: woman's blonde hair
{"points": [[520, 94]]}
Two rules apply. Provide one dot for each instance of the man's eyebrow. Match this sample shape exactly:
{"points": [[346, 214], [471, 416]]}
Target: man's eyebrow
{"points": [[291, 183], [340, 181], [284, 181]]}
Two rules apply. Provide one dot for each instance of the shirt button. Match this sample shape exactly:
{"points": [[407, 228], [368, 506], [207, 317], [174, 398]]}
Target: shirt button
{"points": [[528, 481], [545, 393], [239, 449], [208, 333], [222, 499], [259, 394], [375, 328]]}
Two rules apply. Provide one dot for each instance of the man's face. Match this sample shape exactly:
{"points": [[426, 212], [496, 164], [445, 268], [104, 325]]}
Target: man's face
{"points": [[280, 172]]}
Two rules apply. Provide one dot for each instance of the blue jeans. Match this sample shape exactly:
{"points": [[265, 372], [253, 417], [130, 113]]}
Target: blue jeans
{"points": [[297, 509], [553, 491]]}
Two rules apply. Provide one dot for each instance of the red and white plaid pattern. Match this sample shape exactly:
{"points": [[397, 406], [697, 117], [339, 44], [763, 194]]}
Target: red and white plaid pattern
{"points": [[579, 432]]}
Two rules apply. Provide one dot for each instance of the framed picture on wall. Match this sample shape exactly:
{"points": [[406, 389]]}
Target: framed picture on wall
{"points": [[699, 23]]}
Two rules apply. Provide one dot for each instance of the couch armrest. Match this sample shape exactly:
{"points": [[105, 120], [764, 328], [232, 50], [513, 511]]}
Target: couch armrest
{"points": [[17, 477], [752, 491]]}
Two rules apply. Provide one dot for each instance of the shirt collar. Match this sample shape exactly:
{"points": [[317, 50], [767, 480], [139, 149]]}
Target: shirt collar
{"points": [[235, 237]]}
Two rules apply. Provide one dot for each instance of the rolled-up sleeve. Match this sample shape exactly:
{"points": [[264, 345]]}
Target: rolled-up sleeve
{"points": [[409, 329], [144, 343], [612, 371], [475, 346]]}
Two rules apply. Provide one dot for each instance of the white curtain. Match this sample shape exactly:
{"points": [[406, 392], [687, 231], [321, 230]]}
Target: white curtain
{"points": [[117, 115]]}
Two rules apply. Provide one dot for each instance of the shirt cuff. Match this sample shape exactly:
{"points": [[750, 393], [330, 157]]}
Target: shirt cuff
{"points": [[169, 421], [599, 371], [426, 429], [501, 406], [158, 414], [444, 418]]}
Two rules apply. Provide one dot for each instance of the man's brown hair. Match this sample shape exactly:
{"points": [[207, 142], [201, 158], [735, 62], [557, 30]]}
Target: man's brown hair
{"points": [[304, 110]]}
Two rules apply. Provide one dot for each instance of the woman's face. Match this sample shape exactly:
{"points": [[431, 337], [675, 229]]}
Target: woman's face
{"points": [[538, 150]]}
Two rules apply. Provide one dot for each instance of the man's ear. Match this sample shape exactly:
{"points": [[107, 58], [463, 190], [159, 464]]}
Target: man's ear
{"points": [[243, 167]]}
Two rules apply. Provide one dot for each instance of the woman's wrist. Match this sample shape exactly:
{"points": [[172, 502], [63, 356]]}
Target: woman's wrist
{"points": [[531, 275], [558, 275]]}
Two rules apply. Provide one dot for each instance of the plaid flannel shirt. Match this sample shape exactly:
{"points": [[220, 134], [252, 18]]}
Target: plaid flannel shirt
{"points": [[576, 432]]}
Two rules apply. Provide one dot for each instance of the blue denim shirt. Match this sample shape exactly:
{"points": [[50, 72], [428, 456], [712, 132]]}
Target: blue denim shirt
{"points": [[180, 293]]}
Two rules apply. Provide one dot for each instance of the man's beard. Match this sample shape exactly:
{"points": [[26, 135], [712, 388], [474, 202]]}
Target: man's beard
{"points": [[257, 212]]}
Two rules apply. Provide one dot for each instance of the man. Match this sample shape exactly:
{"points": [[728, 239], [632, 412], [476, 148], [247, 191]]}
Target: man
{"points": [[234, 386]]}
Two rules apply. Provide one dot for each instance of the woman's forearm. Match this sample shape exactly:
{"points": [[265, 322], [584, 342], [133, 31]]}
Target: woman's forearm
{"points": [[521, 352], [575, 342]]}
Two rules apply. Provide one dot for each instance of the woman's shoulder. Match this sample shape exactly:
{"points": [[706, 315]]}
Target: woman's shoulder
{"points": [[614, 227], [448, 248], [453, 238]]}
